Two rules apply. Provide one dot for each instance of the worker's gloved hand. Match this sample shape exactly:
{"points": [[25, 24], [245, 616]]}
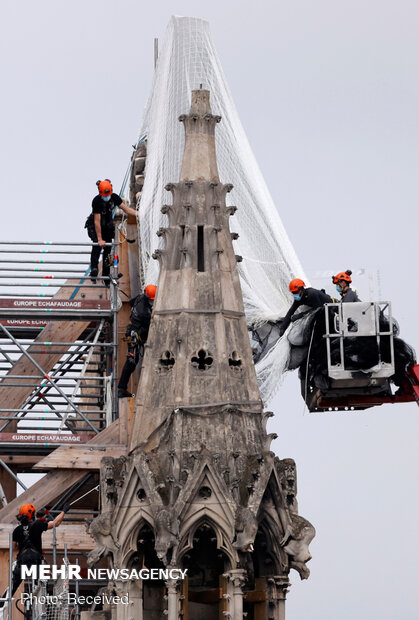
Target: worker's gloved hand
{"points": [[65, 508]]}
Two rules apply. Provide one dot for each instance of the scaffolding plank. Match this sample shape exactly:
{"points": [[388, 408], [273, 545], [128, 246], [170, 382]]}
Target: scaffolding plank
{"points": [[43, 492], [20, 459], [45, 438], [39, 310], [72, 534], [75, 457]]}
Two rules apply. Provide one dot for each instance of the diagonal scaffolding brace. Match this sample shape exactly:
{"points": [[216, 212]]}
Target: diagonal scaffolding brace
{"points": [[83, 371], [49, 379]]}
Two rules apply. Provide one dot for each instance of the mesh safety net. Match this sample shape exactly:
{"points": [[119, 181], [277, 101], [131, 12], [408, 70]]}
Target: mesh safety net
{"points": [[188, 61]]}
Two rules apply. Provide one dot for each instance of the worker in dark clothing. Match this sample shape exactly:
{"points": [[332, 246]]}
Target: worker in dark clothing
{"points": [[100, 226], [27, 538], [303, 296], [343, 281], [136, 333]]}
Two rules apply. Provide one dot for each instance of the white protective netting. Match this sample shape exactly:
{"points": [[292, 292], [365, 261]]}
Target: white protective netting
{"points": [[188, 61]]}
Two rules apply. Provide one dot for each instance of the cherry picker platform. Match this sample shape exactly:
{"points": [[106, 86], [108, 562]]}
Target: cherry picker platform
{"points": [[364, 357]]}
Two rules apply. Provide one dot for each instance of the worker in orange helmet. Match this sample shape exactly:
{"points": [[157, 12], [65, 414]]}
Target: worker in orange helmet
{"points": [[343, 282], [27, 538], [100, 226], [136, 334], [303, 296]]}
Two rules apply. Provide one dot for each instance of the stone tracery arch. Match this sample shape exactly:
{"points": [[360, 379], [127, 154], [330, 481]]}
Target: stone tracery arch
{"points": [[222, 538]]}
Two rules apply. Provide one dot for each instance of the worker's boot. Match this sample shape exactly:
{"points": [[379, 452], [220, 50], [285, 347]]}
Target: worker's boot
{"points": [[122, 393]]}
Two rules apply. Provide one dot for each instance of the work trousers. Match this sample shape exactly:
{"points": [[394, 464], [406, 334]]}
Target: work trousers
{"points": [[94, 260], [134, 356], [30, 557]]}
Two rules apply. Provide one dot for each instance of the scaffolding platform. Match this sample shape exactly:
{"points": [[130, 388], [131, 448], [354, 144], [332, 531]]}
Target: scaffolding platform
{"points": [[58, 347]]}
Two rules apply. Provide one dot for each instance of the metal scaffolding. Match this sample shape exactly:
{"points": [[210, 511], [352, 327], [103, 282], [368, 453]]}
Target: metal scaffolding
{"points": [[55, 390], [45, 599]]}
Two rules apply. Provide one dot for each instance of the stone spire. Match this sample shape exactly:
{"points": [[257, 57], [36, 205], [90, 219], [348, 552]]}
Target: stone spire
{"points": [[198, 352], [200, 489], [199, 159]]}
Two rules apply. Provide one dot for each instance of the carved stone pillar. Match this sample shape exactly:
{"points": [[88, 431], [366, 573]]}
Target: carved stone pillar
{"points": [[135, 597], [236, 579], [277, 589], [172, 599], [133, 610]]}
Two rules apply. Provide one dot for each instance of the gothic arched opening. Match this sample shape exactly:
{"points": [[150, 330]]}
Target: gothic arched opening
{"points": [[263, 563], [264, 556], [206, 564], [154, 604]]}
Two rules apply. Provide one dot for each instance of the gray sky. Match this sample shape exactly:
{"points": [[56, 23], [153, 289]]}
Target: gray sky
{"points": [[328, 94]]}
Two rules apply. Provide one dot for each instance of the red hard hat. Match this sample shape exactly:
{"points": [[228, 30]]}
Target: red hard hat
{"points": [[343, 275], [150, 290], [28, 510], [296, 284], [105, 187]]}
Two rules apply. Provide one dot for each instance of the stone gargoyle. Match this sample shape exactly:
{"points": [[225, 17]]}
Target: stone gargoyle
{"points": [[101, 530], [167, 535], [246, 527], [298, 535], [112, 476]]}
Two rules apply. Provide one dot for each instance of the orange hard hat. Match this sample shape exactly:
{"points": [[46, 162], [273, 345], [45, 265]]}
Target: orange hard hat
{"points": [[343, 275], [296, 284], [150, 290], [28, 510], [105, 187]]}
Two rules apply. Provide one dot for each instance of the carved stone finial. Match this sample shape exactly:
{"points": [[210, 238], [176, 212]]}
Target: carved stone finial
{"points": [[199, 159]]}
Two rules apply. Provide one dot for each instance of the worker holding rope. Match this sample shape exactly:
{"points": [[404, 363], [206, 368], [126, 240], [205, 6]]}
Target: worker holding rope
{"points": [[136, 335], [27, 538], [303, 296], [100, 226]]}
